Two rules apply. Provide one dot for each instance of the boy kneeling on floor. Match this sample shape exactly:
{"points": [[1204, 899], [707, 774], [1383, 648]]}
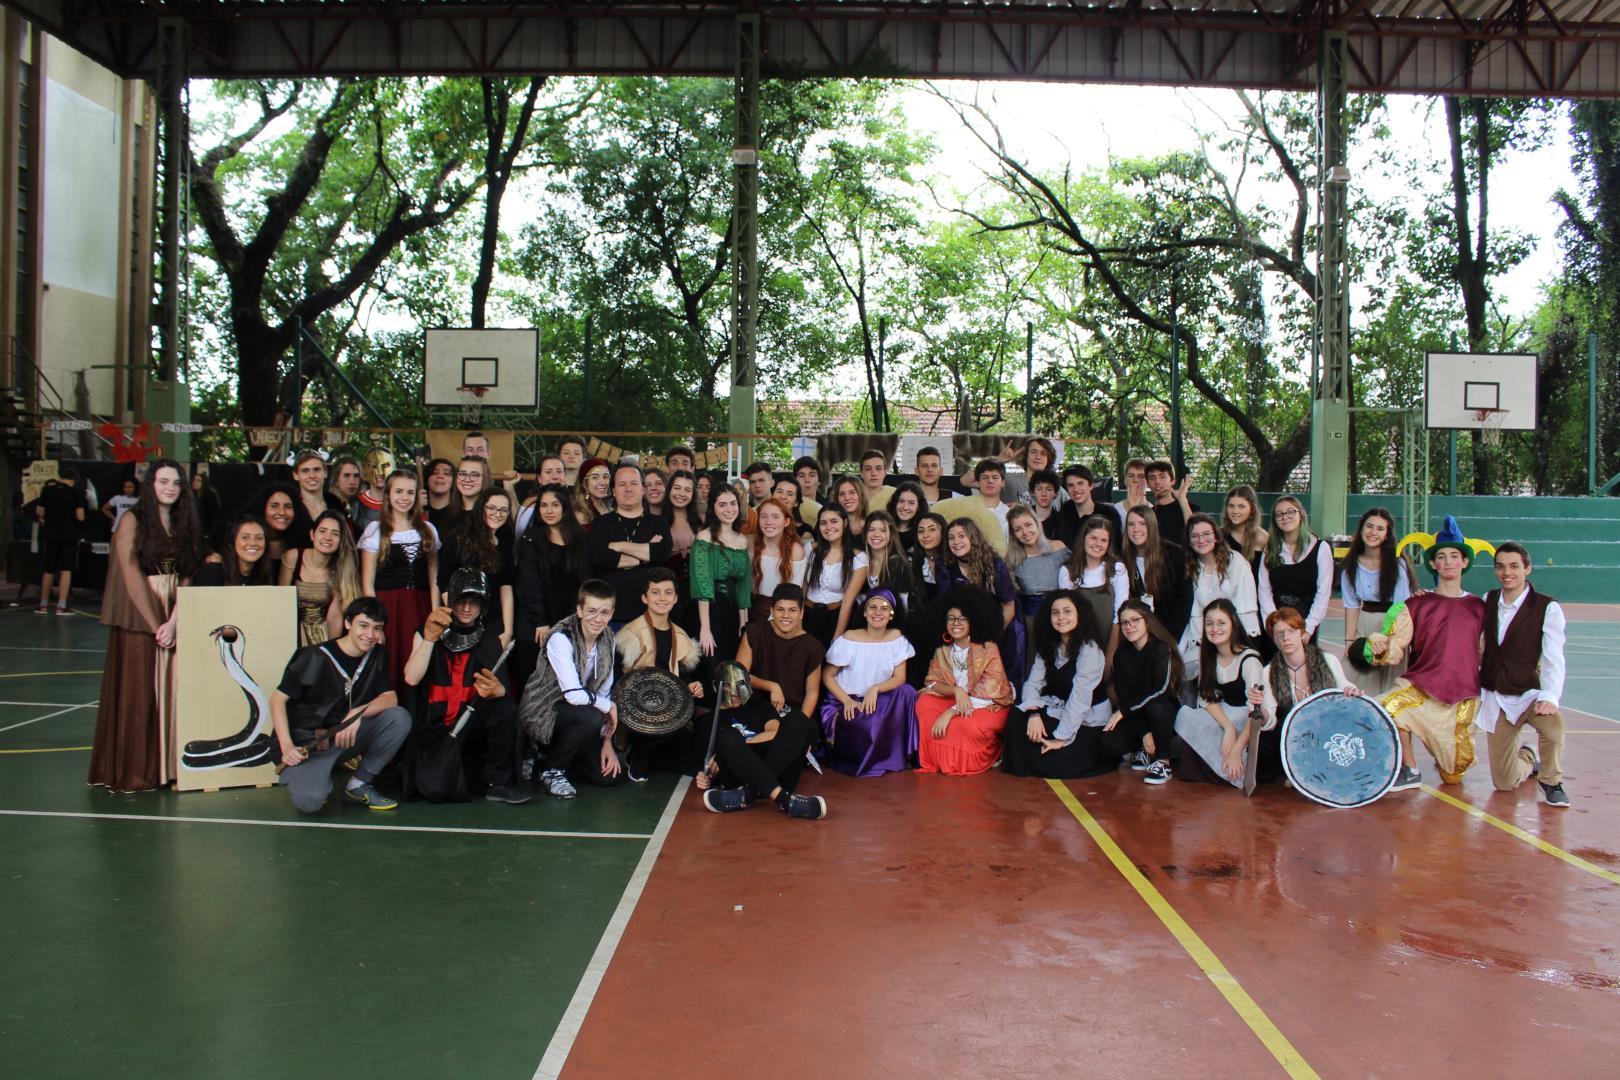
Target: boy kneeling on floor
{"points": [[336, 702], [568, 705]]}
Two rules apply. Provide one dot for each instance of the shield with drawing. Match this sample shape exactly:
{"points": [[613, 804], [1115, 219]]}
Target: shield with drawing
{"points": [[1339, 750]]}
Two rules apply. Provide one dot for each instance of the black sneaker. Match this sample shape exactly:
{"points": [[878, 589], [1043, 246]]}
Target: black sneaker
{"points": [[1535, 762], [727, 800], [1407, 779], [1555, 795], [808, 807], [1140, 761], [507, 793], [1157, 773]]}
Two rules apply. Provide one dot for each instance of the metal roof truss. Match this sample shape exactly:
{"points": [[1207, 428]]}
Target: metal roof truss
{"points": [[1563, 48]]}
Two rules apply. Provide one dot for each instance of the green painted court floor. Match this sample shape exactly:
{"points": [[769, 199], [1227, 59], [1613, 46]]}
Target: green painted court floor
{"points": [[235, 942]]}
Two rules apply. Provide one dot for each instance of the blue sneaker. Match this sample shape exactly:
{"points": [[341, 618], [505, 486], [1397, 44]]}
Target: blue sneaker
{"points": [[727, 800]]}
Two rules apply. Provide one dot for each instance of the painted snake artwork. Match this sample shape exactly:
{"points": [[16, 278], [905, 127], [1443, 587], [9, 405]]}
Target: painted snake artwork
{"points": [[255, 744]]}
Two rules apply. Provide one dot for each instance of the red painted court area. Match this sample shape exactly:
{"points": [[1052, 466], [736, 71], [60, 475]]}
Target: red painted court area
{"points": [[973, 927]]}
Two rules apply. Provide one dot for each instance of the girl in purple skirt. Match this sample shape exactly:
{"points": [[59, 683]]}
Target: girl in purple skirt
{"points": [[869, 712]]}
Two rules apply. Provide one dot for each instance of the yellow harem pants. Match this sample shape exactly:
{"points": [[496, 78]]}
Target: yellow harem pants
{"points": [[1446, 731]]}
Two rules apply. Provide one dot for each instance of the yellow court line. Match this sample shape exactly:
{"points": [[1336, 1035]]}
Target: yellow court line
{"points": [[1530, 838], [43, 674], [46, 750], [1244, 1005]]}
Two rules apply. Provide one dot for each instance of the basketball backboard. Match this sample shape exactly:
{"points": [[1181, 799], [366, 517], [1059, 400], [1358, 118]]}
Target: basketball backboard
{"points": [[1479, 391], [491, 368]]}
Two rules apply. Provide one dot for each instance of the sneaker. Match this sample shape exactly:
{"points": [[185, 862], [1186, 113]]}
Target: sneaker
{"points": [[43, 609], [507, 793], [1140, 761], [64, 611], [726, 800], [369, 797], [1157, 773], [808, 807], [557, 785], [1530, 756], [1407, 779], [636, 774], [1555, 795]]}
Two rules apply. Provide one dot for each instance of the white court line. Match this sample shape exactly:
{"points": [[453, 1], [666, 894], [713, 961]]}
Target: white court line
{"points": [[47, 716], [573, 1018], [544, 833], [45, 704]]}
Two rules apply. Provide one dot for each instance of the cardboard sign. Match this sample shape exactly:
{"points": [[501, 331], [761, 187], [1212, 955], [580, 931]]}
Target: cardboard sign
{"points": [[232, 645], [37, 475]]}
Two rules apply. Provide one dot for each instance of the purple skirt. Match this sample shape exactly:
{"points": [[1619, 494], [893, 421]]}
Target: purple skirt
{"points": [[872, 743]]}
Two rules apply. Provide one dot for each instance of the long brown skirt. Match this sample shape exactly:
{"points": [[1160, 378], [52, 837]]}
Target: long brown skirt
{"points": [[129, 744]]}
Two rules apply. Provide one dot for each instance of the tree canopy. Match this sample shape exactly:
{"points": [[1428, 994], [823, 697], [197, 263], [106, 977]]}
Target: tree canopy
{"points": [[363, 211]]}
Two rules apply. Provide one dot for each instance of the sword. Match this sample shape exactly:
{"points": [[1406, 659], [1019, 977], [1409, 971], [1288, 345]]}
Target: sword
{"points": [[467, 710]]}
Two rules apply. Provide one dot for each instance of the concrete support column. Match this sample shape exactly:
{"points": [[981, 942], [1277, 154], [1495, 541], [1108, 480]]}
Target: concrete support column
{"points": [[745, 232], [167, 396], [1330, 406]]}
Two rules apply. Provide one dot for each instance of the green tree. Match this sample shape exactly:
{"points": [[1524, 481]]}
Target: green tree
{"points": [[303, 204], [1592, 253]]}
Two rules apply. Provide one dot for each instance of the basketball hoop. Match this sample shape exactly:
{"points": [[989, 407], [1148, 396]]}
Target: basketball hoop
{"points": [[472, 404], [1490, 425]]}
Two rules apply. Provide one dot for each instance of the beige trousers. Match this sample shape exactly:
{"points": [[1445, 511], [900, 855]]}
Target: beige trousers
{"points": [[1509, 767]]}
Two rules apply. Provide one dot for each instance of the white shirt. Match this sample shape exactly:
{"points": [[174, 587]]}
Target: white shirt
{"points": [[1324, 584], [1092, 577], [864, 664], [1268, 707], [560, 651], [1077, 710], [1237, 586], [1513, 706], [370, 539], [770, 570], [121, 505], [829, 587]]}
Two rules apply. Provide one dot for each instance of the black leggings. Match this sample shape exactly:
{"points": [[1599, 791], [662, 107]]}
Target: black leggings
{"points": [[1156, 718]]}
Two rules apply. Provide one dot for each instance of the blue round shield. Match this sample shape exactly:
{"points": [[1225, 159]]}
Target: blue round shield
{"points": [[1340, 750]]}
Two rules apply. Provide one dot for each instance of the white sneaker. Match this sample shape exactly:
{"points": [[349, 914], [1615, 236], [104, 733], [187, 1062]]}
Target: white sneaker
{"points": [[557, 784]]}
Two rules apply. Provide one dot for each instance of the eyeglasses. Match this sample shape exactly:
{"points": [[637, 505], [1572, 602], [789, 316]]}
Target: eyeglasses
{"points": [[956, 618], [498, 511], [469, 475], [1284, 512], [1131, 624]]}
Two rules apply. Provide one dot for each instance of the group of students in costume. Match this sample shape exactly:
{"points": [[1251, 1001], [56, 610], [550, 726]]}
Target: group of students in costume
{"points": [[940, 622]]}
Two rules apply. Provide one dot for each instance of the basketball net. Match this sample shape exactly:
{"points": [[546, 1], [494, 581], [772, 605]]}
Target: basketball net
{"points": [[472, 405], [1490, 425]]}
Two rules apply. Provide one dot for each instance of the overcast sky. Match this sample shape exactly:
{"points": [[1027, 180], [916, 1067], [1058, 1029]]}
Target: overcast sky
{"points": [[1050, 123]]}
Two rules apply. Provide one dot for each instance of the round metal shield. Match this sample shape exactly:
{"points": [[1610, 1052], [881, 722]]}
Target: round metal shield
{"points": [[1339, 750], [652, 702]]}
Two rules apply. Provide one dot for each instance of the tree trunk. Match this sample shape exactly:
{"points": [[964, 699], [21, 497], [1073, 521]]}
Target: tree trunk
{"points": [[1473, 263]]}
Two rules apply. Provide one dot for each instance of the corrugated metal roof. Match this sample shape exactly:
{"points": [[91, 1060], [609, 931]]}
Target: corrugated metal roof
{"points": [[1527, 47]]}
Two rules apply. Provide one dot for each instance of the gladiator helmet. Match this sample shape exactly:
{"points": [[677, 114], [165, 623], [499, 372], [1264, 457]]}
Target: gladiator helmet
{"points": [[377, 464]]}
